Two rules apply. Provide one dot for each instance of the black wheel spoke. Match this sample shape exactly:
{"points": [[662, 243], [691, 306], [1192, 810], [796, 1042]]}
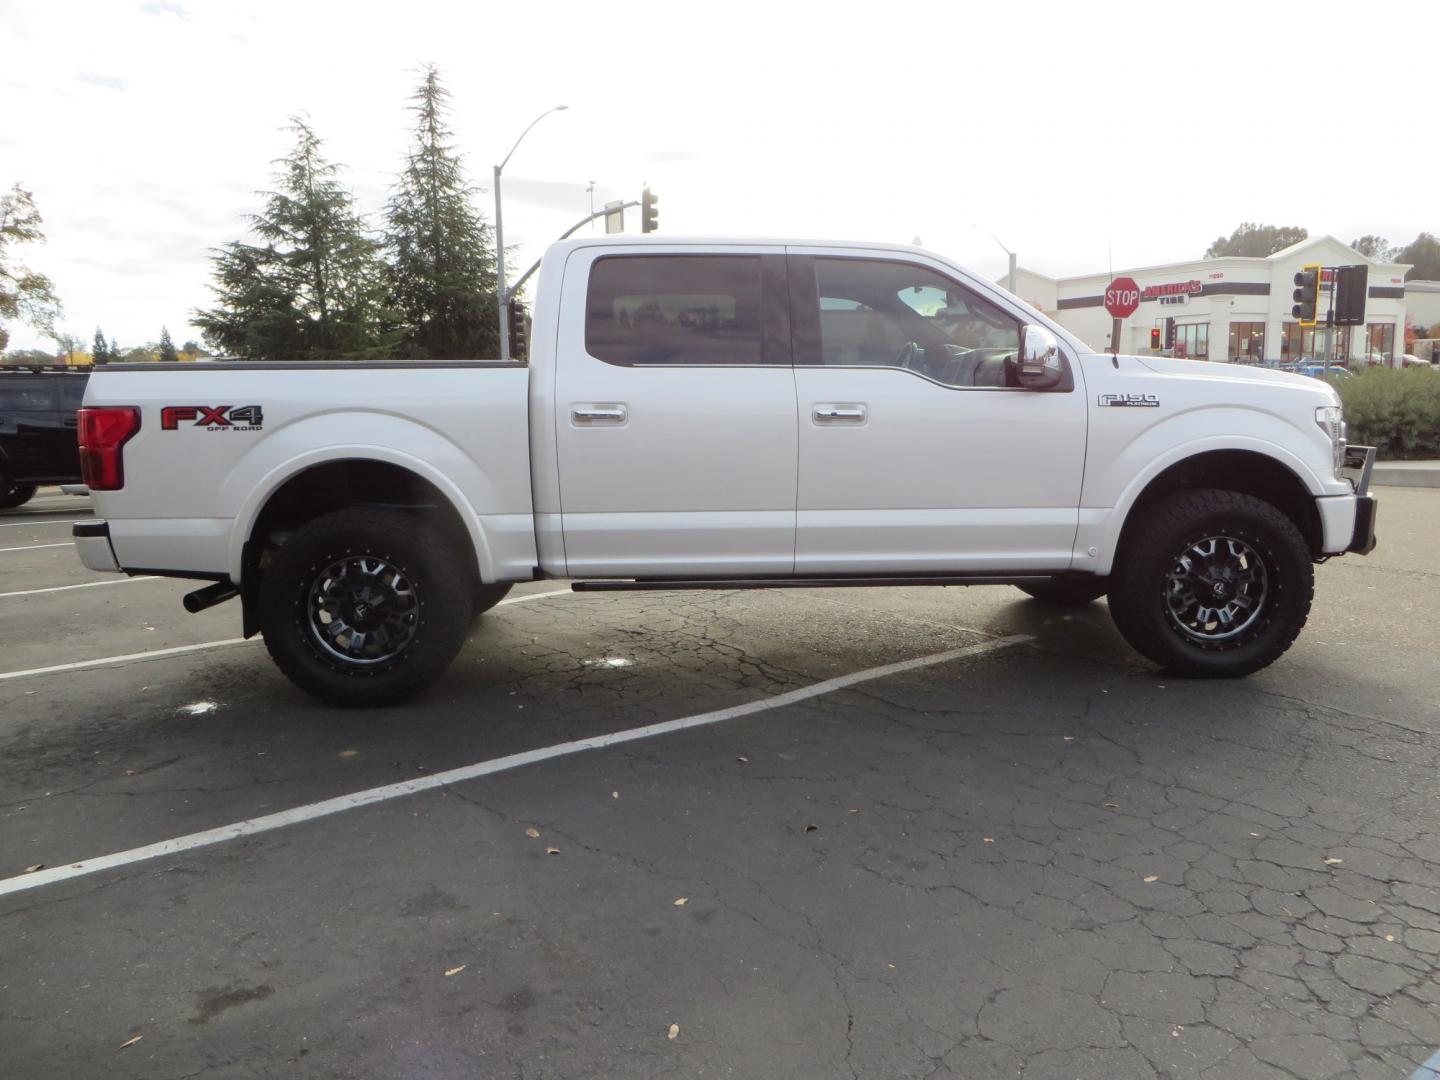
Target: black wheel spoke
{"points": [[363, 610], [1216, 589]]}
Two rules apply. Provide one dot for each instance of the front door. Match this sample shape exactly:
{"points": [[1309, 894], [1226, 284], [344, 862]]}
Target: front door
{"points": [[918, 450], [675, 414]]}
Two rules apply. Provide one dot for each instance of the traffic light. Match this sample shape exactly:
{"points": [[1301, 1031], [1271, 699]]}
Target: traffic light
{"points": [[1307, 294], [519, 343], [1351, 285], [649, 212], [1170, 333], [1154, 339]]}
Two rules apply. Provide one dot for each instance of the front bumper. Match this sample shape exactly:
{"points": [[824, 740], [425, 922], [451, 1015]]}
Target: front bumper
{"points": [[92, 544]]}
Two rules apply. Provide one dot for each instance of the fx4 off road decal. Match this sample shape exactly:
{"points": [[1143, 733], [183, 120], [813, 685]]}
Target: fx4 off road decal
{"points": [[212, 417], [1129, 401]]}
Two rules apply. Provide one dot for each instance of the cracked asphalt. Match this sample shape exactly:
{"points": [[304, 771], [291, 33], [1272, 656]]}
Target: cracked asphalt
{"points": [[1046, 861]]}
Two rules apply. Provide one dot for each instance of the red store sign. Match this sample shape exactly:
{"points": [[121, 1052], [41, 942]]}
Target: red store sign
{"points": [[1174, 288]]}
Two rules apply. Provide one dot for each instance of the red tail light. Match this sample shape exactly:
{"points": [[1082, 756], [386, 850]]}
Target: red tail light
{"points": [[104, 430]]}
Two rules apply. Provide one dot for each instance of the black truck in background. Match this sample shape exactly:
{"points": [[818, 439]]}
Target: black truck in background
{"points": [[38, 430]]}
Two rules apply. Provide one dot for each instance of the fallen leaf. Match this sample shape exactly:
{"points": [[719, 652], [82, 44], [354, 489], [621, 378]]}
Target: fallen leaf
{"points": [[1069, 738], [1150, 877], [743, 760], [674, 1031], [614, 794], [454, 970], [129, 772], [1256, 835], [32, 869], [349, 753], [533, 833], [1175, 1031], [890, 966], [1111, 805], [130, 1042], [1389, 937], [853, 810], [552, 851], [987, 839], [1332, 861], [811, 828], [681, 901]]}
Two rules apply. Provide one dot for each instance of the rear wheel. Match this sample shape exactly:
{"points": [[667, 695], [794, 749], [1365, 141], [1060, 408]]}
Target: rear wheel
{"points": [[13, 494], [1212, 584], [365, 606], [1067, 592]]}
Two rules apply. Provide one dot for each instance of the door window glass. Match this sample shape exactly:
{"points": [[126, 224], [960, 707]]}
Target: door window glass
{"points": [[875, 313], [674, 309], [72, 392]]}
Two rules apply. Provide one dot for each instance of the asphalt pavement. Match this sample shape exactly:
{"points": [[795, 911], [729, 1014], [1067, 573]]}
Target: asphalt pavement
{"points": [[874, 833]]}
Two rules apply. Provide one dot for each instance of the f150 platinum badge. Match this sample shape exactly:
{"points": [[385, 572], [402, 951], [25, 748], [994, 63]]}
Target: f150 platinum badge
{"points": [[1130, 401]]}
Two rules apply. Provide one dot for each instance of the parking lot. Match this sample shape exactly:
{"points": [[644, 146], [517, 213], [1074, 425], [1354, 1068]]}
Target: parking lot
{"points": [[879, 833]]}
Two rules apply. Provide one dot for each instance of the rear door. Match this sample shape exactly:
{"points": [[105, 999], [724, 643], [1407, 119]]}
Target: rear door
{"points": [[918, 451], [675, 413]]}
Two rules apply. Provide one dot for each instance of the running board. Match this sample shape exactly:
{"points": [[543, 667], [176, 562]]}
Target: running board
{"points": [[651, 584]]}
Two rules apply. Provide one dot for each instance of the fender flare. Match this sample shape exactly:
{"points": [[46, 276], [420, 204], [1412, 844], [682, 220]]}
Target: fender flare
{"points": [[1119, 515], [249, 511]]}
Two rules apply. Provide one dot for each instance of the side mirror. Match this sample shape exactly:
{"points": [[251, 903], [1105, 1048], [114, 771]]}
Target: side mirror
{"points": [[1041, 366]]}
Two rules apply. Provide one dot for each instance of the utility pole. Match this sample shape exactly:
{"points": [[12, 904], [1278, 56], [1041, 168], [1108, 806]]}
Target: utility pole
{"points": [[500, 298]]}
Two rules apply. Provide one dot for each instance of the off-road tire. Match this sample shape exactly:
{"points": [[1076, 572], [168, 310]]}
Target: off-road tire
{"points": [[487, 596], [1151, 550], [1067, 592], [440, 587]]}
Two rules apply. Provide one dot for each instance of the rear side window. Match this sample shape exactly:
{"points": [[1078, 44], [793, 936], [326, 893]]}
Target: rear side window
{"points": [[23, 393], [702, 310]]}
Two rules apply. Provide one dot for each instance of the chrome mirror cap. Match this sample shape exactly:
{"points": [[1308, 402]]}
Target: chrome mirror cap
{"points": [[1040, 367]]}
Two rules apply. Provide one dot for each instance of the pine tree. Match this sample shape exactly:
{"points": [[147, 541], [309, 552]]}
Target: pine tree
{"points": [[168, 352], [441, 251], [99, 351], [314, 288]]}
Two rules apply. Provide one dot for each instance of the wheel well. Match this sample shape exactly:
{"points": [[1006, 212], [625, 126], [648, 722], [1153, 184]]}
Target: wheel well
{"points": [[1247, 472], [339, 485]]}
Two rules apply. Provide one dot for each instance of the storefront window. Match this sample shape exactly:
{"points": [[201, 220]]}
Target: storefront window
{"points": [[1380, 348], [1306, 344], [1192, 341], [1247, 342]]}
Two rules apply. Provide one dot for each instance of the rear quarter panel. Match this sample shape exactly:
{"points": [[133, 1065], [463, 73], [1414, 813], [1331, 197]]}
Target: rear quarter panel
{"points": [[193, 492]]}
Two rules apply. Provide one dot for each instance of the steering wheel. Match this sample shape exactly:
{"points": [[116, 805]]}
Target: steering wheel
{"points": [[909, 355]]}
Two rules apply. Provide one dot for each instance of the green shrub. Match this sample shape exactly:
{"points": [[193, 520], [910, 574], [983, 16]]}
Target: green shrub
{"points": [[1395, 410]]}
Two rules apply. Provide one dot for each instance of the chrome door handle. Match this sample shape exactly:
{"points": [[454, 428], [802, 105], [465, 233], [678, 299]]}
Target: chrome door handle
{"points": [[599, 414], [849, 413]]}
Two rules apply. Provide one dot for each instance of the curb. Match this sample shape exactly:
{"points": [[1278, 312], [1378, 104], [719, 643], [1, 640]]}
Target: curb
{"points": [[1391, 476]]}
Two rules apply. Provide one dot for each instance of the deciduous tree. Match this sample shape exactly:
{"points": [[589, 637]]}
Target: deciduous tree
{"points": [[24, 294], [1256, 240]]}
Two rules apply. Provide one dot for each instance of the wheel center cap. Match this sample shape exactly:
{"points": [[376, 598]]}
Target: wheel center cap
{"points": [[1221, 590]]}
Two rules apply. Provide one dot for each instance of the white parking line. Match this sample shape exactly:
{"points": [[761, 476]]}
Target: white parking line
{"points": [[37, 547], [42, 521], [342, 803], [158, 654], [83, 585]]}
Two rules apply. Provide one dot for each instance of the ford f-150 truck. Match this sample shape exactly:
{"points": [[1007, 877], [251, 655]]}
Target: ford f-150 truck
{"points": [[727, 414]]}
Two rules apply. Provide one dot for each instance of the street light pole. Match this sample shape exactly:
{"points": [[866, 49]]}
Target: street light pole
{"points": [[1010, 278], [501, 299]]}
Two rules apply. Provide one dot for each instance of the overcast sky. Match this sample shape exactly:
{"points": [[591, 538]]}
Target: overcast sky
{"points": [[1084, 135]]}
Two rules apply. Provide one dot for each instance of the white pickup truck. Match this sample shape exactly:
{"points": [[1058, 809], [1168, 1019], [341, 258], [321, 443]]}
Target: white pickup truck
{"points": [[727, 414]]}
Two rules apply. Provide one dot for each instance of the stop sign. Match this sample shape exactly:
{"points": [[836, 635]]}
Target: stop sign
{"points": [[1122, 297]]}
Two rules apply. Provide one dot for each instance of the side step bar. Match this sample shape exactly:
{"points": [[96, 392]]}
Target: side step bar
{"points": [[653, 584]]}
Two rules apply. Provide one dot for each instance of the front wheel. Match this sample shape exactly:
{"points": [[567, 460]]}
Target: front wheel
{"points": [[365, 606], [1212, 584]]}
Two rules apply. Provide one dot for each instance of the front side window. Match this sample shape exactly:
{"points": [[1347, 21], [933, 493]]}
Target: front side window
{"points": [[875, 313], [675, 309]]}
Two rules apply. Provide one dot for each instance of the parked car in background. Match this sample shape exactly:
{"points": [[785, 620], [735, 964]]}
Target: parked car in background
{"points": [[1411, 360], [38, 430]]}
